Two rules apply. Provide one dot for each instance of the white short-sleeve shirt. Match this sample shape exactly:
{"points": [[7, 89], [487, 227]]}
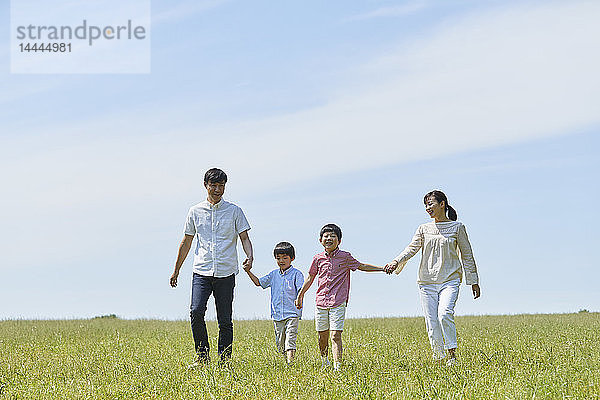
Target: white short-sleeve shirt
{"points": [[216, 229]]}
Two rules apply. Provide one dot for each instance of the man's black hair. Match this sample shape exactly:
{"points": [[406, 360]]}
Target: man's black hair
{"points": [[215, 175], [284, 248], [331, 228]]}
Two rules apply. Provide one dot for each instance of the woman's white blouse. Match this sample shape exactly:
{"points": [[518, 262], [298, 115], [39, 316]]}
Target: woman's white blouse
{"points": [[440, 243]]}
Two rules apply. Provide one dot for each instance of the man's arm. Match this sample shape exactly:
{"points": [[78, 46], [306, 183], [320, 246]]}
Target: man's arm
{"points": [[305, 287], [247, 246], [370, 268], [184, 249]]}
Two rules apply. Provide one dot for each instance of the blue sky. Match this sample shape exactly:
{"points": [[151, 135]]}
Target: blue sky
{"points": [[320, 112]]}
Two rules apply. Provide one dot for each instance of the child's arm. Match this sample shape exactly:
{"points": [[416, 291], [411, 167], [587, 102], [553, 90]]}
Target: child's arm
{"points": [[253, 277], [370, 268], [305, 287]]}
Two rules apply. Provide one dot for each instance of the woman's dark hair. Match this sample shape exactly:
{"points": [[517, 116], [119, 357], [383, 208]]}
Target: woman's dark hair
{"points": [[333, 228], [284, 248], [215, 175], [439, 196]]}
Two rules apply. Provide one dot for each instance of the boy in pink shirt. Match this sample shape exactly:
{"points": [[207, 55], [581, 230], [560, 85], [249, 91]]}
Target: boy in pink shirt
{"points": [[333, 267]]}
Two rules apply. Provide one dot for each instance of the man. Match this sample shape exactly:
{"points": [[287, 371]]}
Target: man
{"points": [[216, 224]]}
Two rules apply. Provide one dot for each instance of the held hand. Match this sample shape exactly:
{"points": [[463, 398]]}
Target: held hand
{"points": [[476, 291], [390, 267], [298, 302], [247, 264], [173, 280]]}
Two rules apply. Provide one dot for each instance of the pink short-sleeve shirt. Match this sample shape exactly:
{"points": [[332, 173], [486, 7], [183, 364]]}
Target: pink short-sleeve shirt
{"points": [[333, 277]]}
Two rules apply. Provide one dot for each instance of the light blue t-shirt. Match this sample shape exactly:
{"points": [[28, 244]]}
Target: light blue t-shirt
{"points": [[284, 289]]}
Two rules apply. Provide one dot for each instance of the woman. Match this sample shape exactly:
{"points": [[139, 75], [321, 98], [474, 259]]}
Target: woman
{"points": [[440, 271]]}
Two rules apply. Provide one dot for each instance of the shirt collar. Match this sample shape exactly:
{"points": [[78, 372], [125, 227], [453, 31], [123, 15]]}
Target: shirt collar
{"points": [[216, 206], [286, 271], [333, 253]]}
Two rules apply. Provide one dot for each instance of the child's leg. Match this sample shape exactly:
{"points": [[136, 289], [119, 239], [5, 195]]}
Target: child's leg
{"points": [[336, 348], [322, 326], [448, 297], [324, 342], [291, 332], [280, 335], [429, 300], [337, 318], [452, 352], [290, 355]]}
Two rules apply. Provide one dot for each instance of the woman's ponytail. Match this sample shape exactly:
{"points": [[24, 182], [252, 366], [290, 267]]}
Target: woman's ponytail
{"points": [[451, 212]]}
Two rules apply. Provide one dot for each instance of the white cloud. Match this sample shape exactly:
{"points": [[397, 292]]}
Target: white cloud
{"points": [[408, 8], [480, 81], [185, 9], [505, 76]]}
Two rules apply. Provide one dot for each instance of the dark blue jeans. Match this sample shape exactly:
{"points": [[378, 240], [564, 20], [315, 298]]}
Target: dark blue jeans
{"points": [[222, 290]]}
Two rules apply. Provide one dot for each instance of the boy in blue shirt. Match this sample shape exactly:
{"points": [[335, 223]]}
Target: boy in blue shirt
{"points": [[285, 283]]}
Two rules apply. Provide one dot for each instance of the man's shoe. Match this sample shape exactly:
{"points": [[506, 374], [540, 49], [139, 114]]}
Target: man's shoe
{"points": [[225, 362], [200, 361]]}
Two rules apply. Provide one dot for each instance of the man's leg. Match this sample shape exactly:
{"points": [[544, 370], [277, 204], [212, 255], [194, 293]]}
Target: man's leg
{"points": [[201, 290], [223, 292]]}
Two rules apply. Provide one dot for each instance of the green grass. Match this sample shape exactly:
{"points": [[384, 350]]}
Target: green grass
{"points": [[501, 357]]}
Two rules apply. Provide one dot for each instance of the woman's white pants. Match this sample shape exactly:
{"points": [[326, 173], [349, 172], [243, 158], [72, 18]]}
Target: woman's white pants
{"points": [[438, 300]]}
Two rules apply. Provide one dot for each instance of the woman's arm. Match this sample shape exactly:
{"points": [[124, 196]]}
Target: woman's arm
{"points": [[398, 263], [466, 255]]}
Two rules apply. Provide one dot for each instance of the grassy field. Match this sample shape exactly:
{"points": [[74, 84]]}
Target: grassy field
{"points": [[501, 357]]}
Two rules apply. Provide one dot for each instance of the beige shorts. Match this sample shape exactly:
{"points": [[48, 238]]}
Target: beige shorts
{"points": [[330, 319], [285, 334]]}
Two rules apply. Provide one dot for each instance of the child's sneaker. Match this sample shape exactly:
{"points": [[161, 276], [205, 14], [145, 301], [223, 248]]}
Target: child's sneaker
{"points": [[452, 361], [324, 362]]}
